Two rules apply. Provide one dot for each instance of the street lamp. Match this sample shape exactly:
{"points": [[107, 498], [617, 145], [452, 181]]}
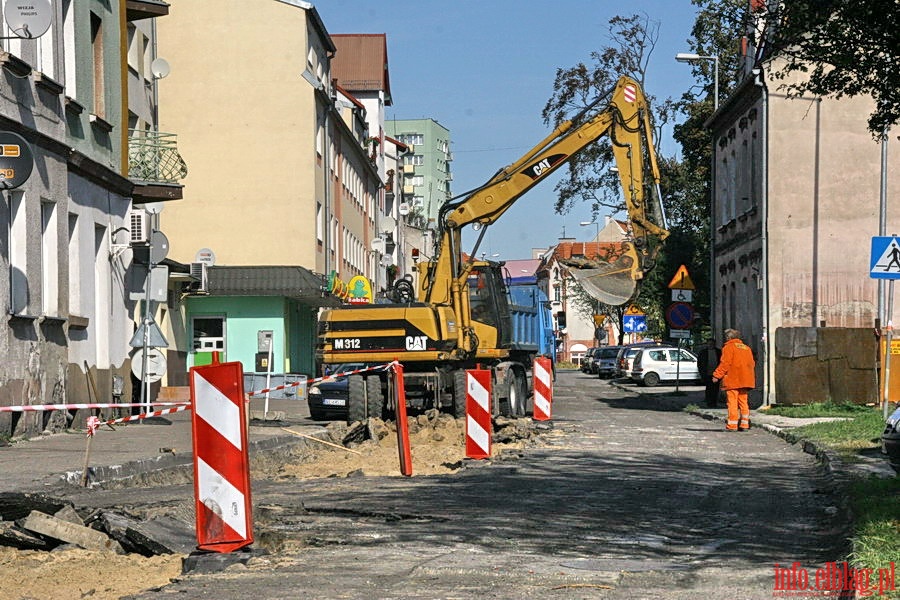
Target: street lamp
{"points": [[596, 224], [686, 57]]}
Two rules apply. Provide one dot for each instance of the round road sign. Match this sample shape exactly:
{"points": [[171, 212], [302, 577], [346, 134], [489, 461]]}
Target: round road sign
{"points": [[680, 315]]}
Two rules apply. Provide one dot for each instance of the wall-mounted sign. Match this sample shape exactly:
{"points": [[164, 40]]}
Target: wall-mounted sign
{"points": [[16, 160], [359, 290]]}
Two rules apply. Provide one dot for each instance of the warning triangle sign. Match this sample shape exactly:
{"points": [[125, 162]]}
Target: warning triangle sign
{"points": [[156, 337], [681, 281]]}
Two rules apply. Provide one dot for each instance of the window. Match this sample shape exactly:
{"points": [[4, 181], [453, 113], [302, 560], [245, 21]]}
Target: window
{"points": [[49, 260], [74, 266], [657, 355], [97, 49], [320, 222], [209, 334], [18, 254], [418, 180], [414, 159], [102, 293], [68, 12]]}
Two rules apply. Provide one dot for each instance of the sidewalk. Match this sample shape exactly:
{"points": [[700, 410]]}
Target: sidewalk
{"points": [[133, 449], [777, 425]]}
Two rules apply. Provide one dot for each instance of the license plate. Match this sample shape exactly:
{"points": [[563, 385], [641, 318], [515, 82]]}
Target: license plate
{"points": [[333, 402]]}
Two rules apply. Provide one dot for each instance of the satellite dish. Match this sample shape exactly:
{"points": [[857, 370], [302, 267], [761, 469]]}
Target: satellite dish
{"points": [[403, 209], [378, 245], [28, 19], [205, 255], [159, 68], [387, 260], [388, 224], [154, 208]]}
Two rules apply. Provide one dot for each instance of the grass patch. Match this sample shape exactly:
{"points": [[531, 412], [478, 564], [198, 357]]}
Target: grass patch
{"points": [[861, 432], [691, 408], [876, 539], [820, 409]]}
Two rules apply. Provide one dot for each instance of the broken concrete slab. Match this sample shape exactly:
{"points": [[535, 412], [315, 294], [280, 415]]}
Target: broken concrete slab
{"points": [[16, 505], [163, 535], [57, 529], [68, 513], [216, 562], [14, 537]]}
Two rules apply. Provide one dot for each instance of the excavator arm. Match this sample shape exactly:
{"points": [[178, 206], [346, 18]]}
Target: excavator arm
{"points": [[613, 278]]}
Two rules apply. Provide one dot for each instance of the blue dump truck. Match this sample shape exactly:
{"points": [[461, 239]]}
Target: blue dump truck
{"points": [[532, 321]]}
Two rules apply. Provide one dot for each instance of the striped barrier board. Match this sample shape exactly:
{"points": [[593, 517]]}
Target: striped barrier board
{"points": [[543, 389], [478, 413], [221, 462]]}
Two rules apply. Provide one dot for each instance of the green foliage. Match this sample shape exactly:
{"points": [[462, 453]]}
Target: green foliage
{"points": [[849, 436], [876, 509], [844, 49]]}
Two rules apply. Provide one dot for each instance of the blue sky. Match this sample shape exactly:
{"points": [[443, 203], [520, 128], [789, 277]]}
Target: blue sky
{"points": [[484, 69]]}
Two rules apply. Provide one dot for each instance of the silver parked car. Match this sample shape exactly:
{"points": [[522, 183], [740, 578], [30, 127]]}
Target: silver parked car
{"points": [[653, 365]]}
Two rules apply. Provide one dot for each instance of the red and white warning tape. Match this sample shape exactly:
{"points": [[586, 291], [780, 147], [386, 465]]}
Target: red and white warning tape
{"points": [[155, 413], [325, 378], [41, 407]]}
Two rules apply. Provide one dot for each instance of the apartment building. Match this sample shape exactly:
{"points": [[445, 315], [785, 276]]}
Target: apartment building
{"points": [[67, 255], [281, 190], [427, 175]]}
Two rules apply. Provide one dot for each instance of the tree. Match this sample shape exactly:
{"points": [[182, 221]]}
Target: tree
{"points": [[840, 48], [588, 175], [846, 49]]}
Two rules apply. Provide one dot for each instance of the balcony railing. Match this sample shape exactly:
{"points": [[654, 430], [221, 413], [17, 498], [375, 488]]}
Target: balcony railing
{"points": [[153, 157]]}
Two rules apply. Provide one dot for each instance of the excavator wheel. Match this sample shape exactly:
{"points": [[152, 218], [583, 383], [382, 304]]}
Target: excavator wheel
{"points": [[374, 397], [356, 398], [459, 393]]}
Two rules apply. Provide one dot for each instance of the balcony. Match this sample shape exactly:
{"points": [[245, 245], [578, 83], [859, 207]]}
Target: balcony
{"points": [[155, 166]]}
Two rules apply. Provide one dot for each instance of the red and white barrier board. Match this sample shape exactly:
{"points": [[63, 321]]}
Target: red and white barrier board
{"points": [[478, 413], [221, 463], [543, 388]]}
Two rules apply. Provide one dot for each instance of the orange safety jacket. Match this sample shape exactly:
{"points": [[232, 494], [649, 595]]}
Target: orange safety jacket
{"points": [[737, 369]]}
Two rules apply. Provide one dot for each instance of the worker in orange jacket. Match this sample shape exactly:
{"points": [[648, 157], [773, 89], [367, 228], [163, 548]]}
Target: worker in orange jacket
{"points": [[737, 372]]}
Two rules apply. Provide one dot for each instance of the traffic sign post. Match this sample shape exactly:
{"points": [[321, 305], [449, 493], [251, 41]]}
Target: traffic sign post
{"points": [[680, 314], [884, 263]]}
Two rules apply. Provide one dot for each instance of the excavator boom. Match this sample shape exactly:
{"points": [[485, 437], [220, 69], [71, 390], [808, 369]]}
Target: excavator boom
{"points": [[612, 278]]}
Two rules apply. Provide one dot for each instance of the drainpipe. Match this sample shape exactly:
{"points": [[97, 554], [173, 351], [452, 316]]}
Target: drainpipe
{"points": [[764, 270]]}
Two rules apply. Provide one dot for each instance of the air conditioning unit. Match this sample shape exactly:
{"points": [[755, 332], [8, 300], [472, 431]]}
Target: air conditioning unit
{"points": [[139, 227], [198, 277]]}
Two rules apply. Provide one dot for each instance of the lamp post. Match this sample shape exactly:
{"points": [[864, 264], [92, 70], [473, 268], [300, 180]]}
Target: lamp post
{"points": [[687, 57], [595, 223]]}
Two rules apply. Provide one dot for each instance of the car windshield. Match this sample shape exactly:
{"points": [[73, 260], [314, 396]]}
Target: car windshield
{"points": [[347, 367], [609, 352]]}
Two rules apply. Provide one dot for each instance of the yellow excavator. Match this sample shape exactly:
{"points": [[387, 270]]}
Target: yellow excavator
{"points": [[462, 316]]}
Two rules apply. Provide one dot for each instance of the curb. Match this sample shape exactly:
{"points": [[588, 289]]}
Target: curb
{"points": [[144, 470]]}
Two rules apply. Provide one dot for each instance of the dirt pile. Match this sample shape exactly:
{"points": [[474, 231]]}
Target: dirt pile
{"points": [[66, 571], [437, 446]]}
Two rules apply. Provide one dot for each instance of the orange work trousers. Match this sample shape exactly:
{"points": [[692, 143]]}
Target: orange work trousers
{"points": [[738, 409]]}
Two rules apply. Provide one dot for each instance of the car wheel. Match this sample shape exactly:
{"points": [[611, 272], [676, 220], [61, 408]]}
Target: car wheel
{"points": [[356, 398], [374, 397], [651, 379]]}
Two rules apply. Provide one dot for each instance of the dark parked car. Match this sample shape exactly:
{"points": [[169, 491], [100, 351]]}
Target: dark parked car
{"points": [[626, 356], [327, 399], [605, 361], [587, 363], [891, 439]]}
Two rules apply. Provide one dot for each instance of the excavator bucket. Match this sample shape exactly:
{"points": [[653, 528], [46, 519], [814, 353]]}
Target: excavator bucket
{"points": [[612, 279]]}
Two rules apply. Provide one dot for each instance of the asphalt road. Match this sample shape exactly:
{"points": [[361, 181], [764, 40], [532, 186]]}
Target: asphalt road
{"points": [[632, 498]]}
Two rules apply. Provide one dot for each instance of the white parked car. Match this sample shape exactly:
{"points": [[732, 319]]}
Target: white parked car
{"points": [[653, 365]]}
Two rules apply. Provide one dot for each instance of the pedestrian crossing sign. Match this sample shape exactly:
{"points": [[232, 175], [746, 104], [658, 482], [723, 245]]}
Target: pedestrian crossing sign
{"points": [[885, 258]]}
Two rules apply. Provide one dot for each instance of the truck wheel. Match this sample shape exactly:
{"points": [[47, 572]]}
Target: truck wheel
{"points": [[356, 398], [515, 399], [459, 393], [374, 397], [651, 379]]}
